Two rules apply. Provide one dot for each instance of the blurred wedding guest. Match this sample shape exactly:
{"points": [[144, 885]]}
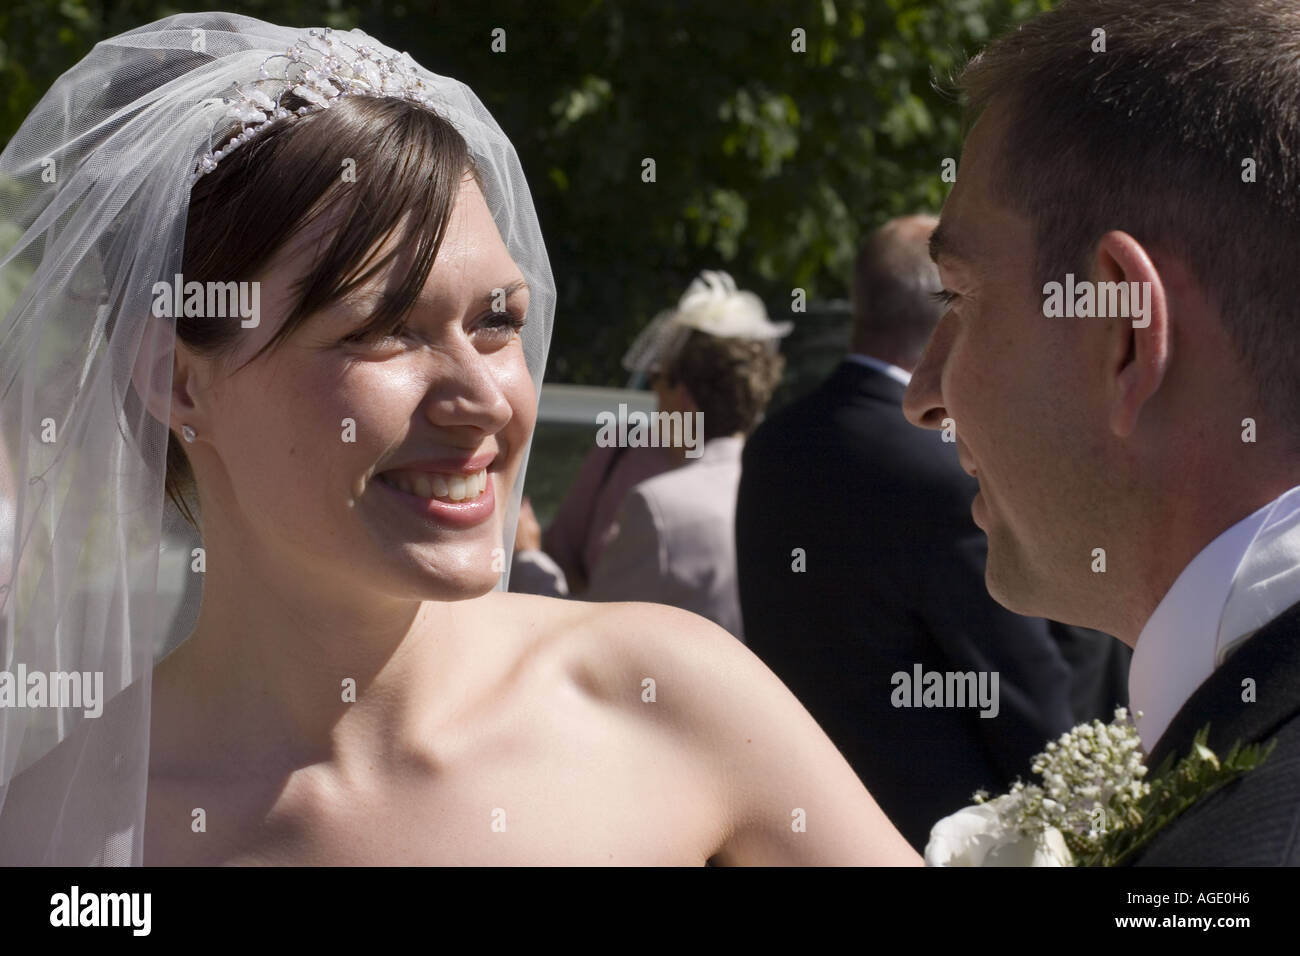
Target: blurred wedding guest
{"points": [[713, 364], [1099, 670], [712, 361], [533, 571], [859, 560], [586, 520], [558, 561]]}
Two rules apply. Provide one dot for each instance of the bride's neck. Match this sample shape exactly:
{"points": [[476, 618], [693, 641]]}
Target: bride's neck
{"points": [[286, 668]]}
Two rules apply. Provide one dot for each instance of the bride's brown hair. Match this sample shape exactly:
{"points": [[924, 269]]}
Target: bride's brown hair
{"points": [[368, 163]]}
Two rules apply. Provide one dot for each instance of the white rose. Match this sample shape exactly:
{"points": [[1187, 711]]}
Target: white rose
{"points": [[978, 836]]}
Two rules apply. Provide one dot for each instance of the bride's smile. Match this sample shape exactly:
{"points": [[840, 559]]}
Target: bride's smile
{"points": [[459, 499]]}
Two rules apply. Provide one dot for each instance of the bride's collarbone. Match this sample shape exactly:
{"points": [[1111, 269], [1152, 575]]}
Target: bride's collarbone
{"points": [[536, 800], [553, 761]]}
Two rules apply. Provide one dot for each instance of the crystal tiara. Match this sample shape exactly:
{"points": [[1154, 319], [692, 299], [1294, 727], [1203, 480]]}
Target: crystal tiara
{"points": [[320, 69]]}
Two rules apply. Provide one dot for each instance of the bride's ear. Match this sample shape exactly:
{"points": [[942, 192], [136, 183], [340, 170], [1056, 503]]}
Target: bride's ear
{"points": [[164, 375]]}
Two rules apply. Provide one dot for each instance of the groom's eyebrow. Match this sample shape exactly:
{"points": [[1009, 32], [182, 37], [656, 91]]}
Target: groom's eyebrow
{"points": [[943, 246]]}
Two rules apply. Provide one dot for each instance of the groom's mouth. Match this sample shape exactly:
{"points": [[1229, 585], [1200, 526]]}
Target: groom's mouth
{"points": [[964, 458]]}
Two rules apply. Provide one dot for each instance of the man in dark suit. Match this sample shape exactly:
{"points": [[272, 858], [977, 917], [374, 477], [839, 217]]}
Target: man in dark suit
{"points": [[1119, 355], [858, 561]]}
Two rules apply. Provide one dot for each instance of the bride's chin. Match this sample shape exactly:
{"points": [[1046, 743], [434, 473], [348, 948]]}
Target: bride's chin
{"points": [[427, 586], [454, 564], [457, 577]]}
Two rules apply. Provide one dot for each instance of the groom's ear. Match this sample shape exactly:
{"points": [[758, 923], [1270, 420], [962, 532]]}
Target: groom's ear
{"points": [[1138, 353]]}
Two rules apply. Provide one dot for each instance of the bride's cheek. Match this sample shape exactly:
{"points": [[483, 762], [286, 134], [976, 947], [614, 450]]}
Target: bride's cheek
{"points": [[516, 382]]}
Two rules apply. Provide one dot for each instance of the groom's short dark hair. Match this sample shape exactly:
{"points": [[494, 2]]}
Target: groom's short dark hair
{"points": [[1160, 135]]}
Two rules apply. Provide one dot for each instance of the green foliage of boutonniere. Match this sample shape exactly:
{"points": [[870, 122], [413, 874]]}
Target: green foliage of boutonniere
{"points": [[1173, 789], [1097, 804]]}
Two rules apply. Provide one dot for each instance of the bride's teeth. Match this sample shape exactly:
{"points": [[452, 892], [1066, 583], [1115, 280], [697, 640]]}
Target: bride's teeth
{"points": [[431, 485]]}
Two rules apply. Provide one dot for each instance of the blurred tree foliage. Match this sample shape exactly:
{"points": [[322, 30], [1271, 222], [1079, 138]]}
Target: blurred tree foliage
{"points": [[770, 162]]}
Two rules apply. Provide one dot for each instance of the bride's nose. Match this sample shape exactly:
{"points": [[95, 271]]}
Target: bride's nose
{"points": [[468, 391]]}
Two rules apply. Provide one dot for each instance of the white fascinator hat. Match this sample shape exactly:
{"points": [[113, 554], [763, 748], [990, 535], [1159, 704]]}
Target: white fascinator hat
{"points": [[711, 304]]}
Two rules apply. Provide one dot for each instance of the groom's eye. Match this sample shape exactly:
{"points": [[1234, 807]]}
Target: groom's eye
{"points": [[943, 296]]}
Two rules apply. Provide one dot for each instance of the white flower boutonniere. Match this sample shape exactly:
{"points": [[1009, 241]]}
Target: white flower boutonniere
{"points": [[987, 835], [1095, 806]]}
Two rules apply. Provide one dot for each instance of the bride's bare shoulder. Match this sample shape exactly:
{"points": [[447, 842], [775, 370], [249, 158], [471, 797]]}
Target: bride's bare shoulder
{"points": [[672, 668], [688, 680], [636, 652]]}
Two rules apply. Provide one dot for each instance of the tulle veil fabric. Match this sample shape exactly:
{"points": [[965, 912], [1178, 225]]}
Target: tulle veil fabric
{"points": [[94, 192]]}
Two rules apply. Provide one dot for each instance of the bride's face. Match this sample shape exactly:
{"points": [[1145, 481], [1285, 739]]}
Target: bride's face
{"points": [[345, 459]]}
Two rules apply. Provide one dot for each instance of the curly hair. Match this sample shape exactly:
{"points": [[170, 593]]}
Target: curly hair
{"points": [[731, 379]]}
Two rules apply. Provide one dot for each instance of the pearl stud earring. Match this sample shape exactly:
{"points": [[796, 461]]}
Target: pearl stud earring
{"points": [[188, 433]]}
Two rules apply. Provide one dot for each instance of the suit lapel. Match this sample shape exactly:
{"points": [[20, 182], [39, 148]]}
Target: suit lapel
{"points": [[1271, 659]]}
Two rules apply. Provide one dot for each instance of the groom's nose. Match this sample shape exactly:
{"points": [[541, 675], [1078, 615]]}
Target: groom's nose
{"points": [[923, 403]]}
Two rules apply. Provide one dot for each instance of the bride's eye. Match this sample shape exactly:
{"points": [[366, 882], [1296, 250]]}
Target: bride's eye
{"points": [[375, 339], [943, 296], [502, 325]]}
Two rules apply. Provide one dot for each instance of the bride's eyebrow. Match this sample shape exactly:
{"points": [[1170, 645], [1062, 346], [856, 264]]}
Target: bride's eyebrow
{"points": [[376, 300], [507, 290]]}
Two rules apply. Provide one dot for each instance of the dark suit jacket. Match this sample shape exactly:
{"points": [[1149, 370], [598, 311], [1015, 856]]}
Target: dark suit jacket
{"points": [[895, 577], [1255, 820]]}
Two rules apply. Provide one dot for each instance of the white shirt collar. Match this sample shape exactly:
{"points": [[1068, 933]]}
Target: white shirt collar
{"points": [[870, 361], [722, 448], [1237, 583]]}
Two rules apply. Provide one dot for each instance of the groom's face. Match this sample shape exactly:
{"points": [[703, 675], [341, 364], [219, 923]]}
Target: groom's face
{"points": [[1020, 389]]}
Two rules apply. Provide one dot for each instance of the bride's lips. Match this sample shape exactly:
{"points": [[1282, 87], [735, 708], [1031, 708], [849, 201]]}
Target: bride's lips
{"points": [[425, 487]]}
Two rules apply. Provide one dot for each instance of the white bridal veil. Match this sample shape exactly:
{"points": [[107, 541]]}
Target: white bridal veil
{"points": [[94, 194]]}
